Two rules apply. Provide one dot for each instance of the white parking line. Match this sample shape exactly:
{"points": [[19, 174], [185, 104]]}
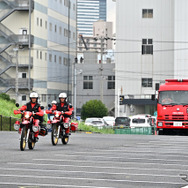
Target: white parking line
{"points": [[128, 158], [107, 162], [87, 172], [48, 185], [97, 167], [87, 179]]}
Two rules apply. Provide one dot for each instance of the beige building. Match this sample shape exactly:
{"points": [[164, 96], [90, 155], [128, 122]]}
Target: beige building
{"points": [[105, 30], [101, 39], [37, 49]]}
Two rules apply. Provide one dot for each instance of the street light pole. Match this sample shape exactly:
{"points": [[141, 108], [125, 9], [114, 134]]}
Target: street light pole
{"points": [[68, 48], [75, 87]]}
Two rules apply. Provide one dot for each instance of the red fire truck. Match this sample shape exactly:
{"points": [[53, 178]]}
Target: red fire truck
{"points": [[172, 107]]}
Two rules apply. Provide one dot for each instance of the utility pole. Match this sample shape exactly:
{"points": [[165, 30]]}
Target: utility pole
{"points": [[29, 80], [102, 41]]}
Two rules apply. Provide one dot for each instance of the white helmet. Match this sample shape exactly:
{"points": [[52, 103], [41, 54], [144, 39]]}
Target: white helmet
{"points": [[34, 95], [54, 102], [62, 95]]}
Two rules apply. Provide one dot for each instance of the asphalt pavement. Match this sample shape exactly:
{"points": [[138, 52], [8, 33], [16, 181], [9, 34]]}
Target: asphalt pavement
{"points": [[95, 161]]}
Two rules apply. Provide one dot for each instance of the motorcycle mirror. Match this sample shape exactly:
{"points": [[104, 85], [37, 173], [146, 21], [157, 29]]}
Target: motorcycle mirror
{"points": [[49, 105], [42, 107], [17, 105]]}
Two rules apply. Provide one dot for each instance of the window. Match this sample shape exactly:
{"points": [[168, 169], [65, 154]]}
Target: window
{"points": [[37, 21], [37, 54], [40, 54], [69, 34], [43, 98], [111, 82], [46, 25], [55, 29], [65, 61], [23, 97], [147, 46], [41, 22], [50, 57], [147, 13], [60, 59], [24, 75], [45, 56], [55, 58], [88, 82], [50, 26], [60, 30], [147, 82]]}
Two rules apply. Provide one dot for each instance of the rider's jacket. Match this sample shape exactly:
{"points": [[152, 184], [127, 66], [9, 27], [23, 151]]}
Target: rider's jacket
{"points": [[65, 107], [33, 107]]}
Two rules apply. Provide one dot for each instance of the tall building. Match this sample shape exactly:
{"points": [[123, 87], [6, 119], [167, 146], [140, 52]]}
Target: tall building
{"points": [[150, 47], [89, 11], [38, 46]]}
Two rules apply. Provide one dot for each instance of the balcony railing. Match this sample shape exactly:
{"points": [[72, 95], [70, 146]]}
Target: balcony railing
{"points": [[22, 83]]}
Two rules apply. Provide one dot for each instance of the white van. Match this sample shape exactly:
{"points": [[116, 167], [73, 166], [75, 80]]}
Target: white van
{"points": [[140, 121]]}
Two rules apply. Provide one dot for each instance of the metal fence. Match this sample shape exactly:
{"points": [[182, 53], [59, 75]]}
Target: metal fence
{"points": [[7, 123]]}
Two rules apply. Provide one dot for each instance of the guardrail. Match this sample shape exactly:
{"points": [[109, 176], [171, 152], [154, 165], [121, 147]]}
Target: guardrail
{"points": [[137, 130]]}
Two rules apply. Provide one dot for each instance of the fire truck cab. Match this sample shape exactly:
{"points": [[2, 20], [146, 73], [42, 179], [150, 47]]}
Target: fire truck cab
{"points": [[172, 106]]}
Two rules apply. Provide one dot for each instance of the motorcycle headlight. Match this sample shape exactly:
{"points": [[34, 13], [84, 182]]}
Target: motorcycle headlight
{"points": [[27, 116], [66, 125], [16, 126], [57, 115], [160, 124], [35, 128]]}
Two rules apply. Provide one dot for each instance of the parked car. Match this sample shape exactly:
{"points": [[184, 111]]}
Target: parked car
{"points": [[140, 120], [95, 122], [110, 120], [122, 122]]}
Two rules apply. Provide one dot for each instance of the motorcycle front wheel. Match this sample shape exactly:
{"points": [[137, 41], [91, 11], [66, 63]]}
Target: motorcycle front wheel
{"points": [[23, 139], [65, 139], [31, 142], [54, 135]]}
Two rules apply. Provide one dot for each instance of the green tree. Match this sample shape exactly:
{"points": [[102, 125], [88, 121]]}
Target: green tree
{"points": [[93, 108]]}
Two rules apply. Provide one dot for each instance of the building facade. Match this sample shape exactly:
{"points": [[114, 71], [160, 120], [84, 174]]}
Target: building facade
{"points": [[89, 11], [41, 47], [95, 81], [150, 47]]}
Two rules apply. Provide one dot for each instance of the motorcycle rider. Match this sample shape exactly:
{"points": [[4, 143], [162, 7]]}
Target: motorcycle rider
{"points": [[50, 116], [64, 107], [34, 106]]}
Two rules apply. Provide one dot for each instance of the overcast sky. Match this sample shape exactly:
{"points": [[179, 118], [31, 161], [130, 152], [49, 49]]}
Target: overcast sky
{"points": [[111, 12]]}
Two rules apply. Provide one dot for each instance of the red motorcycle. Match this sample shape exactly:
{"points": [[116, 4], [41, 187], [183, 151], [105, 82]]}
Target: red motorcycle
{"points": [[27, 128], [60, 127]]}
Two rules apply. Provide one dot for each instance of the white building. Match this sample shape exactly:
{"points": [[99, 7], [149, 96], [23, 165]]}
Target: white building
{"points": [[150, 47]]}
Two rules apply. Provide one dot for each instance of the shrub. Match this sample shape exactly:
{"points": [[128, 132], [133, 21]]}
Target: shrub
{"points": [[5, 96], [93, 108]]}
